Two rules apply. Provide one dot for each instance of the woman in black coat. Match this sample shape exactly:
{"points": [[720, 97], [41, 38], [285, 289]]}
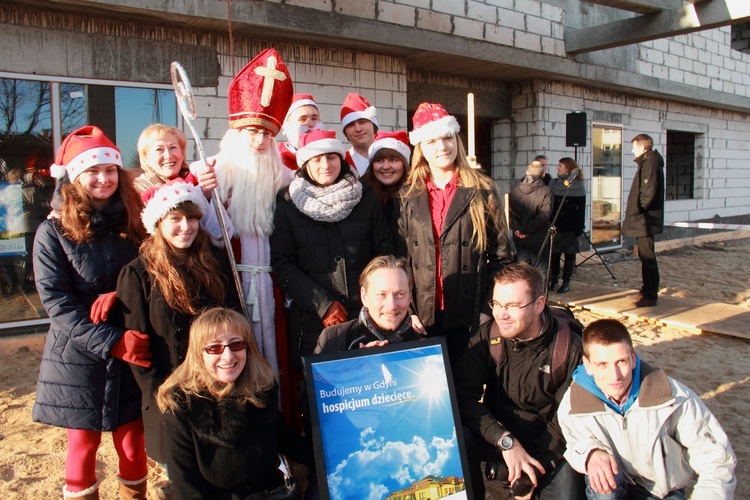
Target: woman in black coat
{"points": [[177, 275], [327, 228], [222, 425], [569, 223], [84, 386], [450, 231]]}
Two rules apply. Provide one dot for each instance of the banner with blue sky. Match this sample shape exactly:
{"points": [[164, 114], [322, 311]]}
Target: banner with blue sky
{"points": [[386, 423], [12, 240]]}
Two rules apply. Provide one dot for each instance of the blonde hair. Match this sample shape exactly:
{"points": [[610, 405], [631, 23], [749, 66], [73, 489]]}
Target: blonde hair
{"points": [[193, 379], [535, 168], [180, 273], [484, 208], [153, 133]]}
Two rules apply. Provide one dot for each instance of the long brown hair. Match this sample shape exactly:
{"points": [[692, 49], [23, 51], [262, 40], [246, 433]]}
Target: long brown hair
{"points": [[75, 213], [180, 273], [192, 378], [384, 193], [571, 165], [484, 208]]}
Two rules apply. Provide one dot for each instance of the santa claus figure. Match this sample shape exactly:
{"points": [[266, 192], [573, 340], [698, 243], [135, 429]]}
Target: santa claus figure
{"points": [[247, 173]]}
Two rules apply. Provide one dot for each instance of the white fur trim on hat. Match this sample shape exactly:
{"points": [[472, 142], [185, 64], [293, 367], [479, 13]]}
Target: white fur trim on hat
{"points": [[298, 104], [370, 113], [445, 126], [166, 198], [89, 158], [319, 147], [390, 143]]}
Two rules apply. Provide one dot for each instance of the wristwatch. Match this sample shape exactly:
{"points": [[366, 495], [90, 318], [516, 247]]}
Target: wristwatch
{"points": [[506, 442]]}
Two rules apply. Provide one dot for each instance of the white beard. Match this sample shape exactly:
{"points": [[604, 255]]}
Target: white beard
{"points": [[253, 180], [293, 131]]}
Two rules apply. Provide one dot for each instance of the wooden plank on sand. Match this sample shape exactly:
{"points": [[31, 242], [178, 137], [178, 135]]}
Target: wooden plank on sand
{"points": [[686, 314]]}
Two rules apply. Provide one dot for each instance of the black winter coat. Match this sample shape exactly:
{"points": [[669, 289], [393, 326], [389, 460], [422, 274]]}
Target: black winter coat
{"points": [[316, 263], [523, 398], [644, 214], [141, 307], [348, 336], [80, 385], [225, 449], [466, 272], [531, 211]]}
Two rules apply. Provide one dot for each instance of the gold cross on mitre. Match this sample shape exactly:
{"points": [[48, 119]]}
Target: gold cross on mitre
{"points": [[269, 74]]}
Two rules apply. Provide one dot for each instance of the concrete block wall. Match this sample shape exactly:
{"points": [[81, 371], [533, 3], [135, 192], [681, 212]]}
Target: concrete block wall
{"points": [[328, 74], [704, 59], [525, 24], [722, 178]]}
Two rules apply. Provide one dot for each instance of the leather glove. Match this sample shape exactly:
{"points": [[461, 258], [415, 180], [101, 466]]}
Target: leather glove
{"points": [[133, 347], [101, 307], [335, 314]]}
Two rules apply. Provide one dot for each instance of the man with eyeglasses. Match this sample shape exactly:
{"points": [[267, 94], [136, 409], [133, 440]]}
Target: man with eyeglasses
{"points": [[508, 396]]}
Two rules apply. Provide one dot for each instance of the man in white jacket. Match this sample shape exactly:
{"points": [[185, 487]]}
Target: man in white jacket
{"points": [[632, 430]]}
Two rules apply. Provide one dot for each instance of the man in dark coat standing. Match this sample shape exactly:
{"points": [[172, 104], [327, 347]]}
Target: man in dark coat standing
{"points": [[644, 214], [531, 210]]}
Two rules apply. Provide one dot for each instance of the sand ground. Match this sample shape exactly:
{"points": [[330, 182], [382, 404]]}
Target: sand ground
{"points": [[32, 455]]}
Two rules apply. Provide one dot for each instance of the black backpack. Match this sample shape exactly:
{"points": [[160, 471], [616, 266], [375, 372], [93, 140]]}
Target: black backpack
{"points": [[568, 326]]}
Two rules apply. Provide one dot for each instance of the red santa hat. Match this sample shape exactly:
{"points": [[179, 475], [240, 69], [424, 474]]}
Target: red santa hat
{"points": [[83, 148], [160, 200], [432, 121], [318, 142], [260, 94], [299, 100], [398, 141], [355, 107]]}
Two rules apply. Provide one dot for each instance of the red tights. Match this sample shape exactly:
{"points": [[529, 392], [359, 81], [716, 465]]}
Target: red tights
{"points": [[80, 464]]}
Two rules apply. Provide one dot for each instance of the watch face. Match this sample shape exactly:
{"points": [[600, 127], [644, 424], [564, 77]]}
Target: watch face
{"points": [[506, 442]]}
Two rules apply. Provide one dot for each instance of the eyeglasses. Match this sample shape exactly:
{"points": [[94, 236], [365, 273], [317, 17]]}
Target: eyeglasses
{"points": [[217, 349], [255, 132], [509, 307]]}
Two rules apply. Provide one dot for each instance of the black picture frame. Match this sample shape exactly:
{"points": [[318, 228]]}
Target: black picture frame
{"points": [[383, 418]]}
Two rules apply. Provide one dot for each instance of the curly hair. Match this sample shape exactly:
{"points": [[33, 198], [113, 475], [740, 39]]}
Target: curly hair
{"points": [[179, 273], [77, 205], [193, 380]]}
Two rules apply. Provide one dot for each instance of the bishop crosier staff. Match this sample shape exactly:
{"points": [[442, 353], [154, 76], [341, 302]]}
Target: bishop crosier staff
{"points": [[472, 157]]}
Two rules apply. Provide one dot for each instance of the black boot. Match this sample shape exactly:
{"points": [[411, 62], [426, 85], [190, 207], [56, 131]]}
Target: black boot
{"points": [[565, 287], [552, 285]]}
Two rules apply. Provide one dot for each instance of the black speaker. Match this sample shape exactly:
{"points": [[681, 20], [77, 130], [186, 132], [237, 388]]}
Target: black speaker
{"points": [[575, 129]]}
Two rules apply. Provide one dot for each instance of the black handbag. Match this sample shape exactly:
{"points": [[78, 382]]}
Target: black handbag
{"points": [[290, 489]]}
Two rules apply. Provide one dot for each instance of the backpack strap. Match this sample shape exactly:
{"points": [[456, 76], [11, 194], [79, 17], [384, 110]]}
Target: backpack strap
{"points": [[496, 345], [560, 354]]}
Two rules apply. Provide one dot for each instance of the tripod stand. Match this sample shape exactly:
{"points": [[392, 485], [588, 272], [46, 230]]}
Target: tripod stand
{"points": [[596, 252]]}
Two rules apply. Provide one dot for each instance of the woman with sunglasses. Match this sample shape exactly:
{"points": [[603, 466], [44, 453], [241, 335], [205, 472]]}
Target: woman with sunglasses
{"points": [[222, 425], [177, 275]]}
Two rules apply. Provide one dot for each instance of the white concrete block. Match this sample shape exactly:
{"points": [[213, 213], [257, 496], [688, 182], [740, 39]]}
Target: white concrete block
{"points": [[358, 8], [499, 34], [645, 68], [423, 4], [552, 12], [528, 41], [312, 4], [481, 12], [468, 28], [538, 25], [511, 19], [532, 7], [453, 7], [395, 13], [434, 21], [671, 60], [676, 75]]}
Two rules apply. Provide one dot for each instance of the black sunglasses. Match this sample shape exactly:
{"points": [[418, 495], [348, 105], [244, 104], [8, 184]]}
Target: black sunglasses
{"points": [[216, 349]]}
